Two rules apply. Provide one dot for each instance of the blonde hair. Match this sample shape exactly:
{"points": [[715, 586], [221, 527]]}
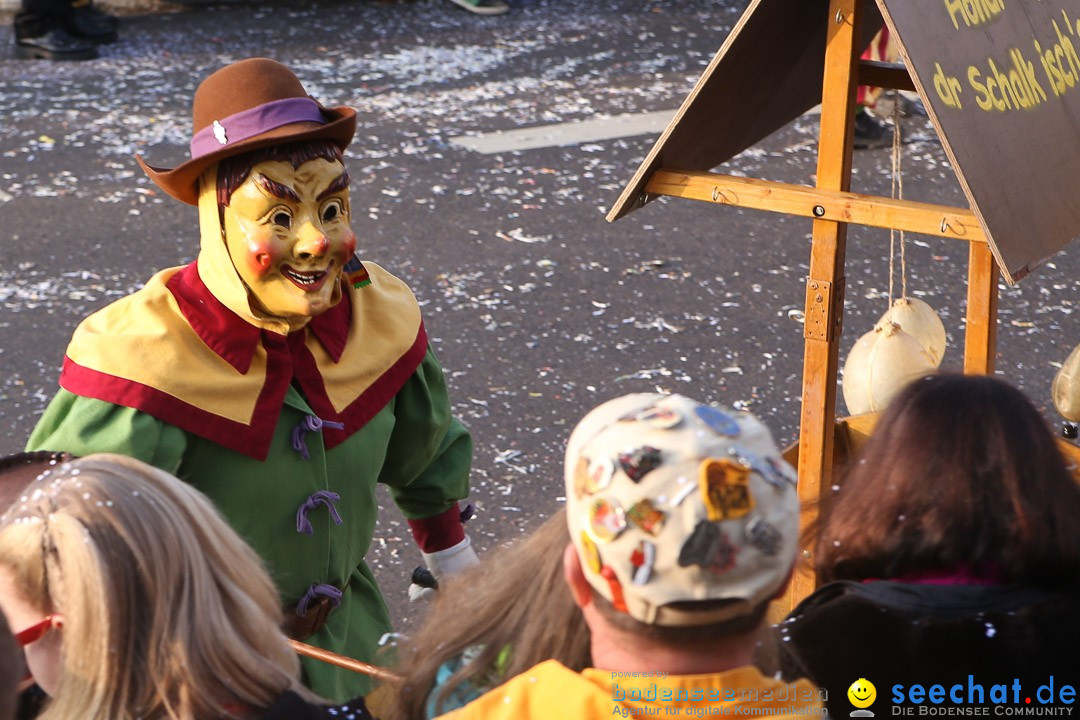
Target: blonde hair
{"points": [[167, 612], [516, 599]]}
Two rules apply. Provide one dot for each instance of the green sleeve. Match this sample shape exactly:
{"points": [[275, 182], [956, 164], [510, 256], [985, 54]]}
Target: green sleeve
{"points": [[81, 426], [430, 452]]}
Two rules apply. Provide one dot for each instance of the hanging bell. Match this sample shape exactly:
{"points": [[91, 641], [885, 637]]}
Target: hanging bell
{"points": [[921, 322], [880, 364], [1066, 387]]}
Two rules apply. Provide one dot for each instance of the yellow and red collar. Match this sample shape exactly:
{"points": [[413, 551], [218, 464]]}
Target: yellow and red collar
{"points": [[175, 351]]}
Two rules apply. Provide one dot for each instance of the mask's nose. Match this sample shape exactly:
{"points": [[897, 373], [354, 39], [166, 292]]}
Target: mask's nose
{"points": [[310, 242]]}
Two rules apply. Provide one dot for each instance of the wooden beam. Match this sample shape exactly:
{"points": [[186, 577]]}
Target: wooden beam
{"points": [[980, 334], [893, 76], [819, 203], [825, 283]]}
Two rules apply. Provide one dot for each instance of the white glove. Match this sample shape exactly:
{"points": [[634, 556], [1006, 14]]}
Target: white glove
{"points": [[441, 563]]}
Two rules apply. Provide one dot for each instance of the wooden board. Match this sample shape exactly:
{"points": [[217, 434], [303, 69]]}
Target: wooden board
{"points": [[1016, 151], [768, 72]]}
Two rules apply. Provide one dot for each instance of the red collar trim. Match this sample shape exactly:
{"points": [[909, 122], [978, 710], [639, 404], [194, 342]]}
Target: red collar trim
{"points": [[232, 338], [332, 326], [283, 360]]}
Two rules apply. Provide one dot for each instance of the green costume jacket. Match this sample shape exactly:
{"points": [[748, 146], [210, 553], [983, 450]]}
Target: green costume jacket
{"points": [[183, 376]]}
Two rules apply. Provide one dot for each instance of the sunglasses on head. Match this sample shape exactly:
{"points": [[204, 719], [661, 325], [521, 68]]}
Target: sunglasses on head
{"points": [[35, 632]]}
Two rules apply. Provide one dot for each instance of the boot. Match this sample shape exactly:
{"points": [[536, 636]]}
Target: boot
{"points": [[871, 132], [87, 22], [35, 38]]}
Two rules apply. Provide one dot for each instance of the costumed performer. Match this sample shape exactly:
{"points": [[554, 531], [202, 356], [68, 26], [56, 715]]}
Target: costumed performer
{"points": [[277, 373]]}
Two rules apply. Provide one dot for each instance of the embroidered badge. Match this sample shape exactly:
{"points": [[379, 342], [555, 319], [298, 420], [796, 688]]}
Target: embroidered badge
{"points": [[606, 520], [763, 536], [717, 420], [617, 599], [581, 477], [783, 471], [767, 470], [219, 133], [645, 515], [599, 475], [640, 462], [725, 487], [708, 547], [592, 553], [657, 417], [642, 559]]}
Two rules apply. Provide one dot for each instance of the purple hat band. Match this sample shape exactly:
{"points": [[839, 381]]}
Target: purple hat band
{"points": [[257, 120]]}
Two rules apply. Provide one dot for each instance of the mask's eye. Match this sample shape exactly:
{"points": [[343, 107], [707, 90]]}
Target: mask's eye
{"points": [[281, 219], [332, 211]]}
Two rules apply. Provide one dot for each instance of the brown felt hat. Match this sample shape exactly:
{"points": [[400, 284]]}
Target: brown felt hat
{"points": [[248, 105]]}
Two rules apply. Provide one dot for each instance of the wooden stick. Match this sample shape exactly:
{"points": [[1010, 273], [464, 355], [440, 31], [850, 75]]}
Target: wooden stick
{"points": [[343, 661]]}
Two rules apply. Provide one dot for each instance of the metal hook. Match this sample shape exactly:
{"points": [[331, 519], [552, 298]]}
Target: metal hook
{"points": [[944, 223], [719, 195], [839, 16]]}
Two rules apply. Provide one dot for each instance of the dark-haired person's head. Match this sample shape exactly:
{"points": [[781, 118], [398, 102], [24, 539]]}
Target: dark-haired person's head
{"points": [[961, 477], [11, 671]]}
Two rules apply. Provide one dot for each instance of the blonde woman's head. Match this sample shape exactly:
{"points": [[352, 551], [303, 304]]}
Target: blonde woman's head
{"points": [[164, 611]]}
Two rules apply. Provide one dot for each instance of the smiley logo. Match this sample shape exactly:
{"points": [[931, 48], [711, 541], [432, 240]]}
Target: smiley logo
{"points": [[862, 693]]}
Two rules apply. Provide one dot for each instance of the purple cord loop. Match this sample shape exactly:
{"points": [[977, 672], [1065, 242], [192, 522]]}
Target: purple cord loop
{"points": [[327, 591], [310, 423], [466, 514], [327, 498]]}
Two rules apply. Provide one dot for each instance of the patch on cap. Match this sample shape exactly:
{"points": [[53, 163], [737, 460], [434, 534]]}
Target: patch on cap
{"points": [[708, 547], [640, 462], [717, 420], [645, 515], [671, 502], [606, 520], [725, 487]]}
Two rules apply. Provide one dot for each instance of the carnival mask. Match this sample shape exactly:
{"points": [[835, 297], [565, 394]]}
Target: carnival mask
{"points": [[287, 231]]}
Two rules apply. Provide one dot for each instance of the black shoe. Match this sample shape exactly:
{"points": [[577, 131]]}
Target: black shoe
{"points": [[89, 23], [871, 132], [97, 15], [54, 45], [912, 107]]}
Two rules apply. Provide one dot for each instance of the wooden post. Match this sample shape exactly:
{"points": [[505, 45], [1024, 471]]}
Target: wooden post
{"points": [[980, 336], [825, 284]]}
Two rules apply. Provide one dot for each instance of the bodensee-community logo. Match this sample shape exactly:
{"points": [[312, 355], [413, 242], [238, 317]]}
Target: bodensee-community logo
{"points": [[968, 698]]}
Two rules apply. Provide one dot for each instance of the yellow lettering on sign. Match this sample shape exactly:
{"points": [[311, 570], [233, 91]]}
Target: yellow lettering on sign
{"points": [[983, 92], [947, 87], [1068, 50], [973, 12], [1061, 75], [1011, 87]]}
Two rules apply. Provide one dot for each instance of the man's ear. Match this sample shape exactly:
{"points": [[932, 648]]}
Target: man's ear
{"points": [[574, 575]]}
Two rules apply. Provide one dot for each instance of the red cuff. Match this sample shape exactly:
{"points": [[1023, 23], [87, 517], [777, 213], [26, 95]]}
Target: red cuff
{"points": [[438, 532]]}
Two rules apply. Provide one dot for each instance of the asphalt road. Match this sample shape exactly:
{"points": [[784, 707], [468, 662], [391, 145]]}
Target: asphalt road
{"points": [[538, 308]]}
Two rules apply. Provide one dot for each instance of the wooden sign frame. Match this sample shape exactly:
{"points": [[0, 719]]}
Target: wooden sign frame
{"points": [[679, 166]]}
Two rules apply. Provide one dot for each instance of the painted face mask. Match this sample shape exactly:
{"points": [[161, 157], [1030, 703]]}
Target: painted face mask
{"points": [[287, 231]]}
